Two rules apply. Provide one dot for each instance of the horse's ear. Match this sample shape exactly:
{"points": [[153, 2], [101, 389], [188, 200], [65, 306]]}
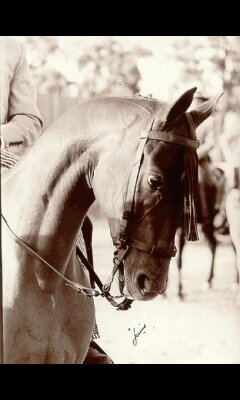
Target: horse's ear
{"points": [[205, 110], [180, 106]]}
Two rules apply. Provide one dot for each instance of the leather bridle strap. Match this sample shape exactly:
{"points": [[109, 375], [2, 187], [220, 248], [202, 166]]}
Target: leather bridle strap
{"points": [[171, 138], [105, 288], [158, 251], [128, 204], [132, 186]]}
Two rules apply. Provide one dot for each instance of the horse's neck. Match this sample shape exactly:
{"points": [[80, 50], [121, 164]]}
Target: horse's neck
{"points": [[50, 192], [46, 200]]}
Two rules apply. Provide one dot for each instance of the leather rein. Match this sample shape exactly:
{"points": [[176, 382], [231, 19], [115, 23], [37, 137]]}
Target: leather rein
{"points": [[122, 242]]}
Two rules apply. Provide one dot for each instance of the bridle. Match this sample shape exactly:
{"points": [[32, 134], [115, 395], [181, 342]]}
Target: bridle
{"points": [[122, 242]]}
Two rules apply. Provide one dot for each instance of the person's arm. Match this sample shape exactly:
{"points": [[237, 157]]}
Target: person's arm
{"points": [[24, 123]]}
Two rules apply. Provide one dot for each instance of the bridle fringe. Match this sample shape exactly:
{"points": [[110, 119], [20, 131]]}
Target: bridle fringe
{"points": [[190, 194]]}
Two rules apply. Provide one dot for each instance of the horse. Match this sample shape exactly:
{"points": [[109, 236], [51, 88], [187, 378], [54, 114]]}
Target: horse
{"points": [[137, 158], [232, 207], [233, 217], [212, 198], [207, 194]]}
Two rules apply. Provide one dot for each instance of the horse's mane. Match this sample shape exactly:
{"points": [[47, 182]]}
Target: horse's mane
{"points": [[104, 109]]}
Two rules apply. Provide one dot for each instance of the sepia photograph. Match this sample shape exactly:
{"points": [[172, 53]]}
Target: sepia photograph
{"points": [[120, 199]]}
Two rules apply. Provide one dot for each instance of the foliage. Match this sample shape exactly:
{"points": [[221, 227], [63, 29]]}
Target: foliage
{"points": [[214, 62], [84, 68]]}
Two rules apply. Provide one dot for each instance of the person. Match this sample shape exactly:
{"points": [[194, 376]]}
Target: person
{"points": [[20, 126], [20, 120]]}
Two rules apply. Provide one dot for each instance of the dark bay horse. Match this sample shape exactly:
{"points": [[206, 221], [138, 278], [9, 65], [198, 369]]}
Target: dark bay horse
{"points": [[136, 156], [233, 216], [207, 199], [231, 171], [212, 184]]}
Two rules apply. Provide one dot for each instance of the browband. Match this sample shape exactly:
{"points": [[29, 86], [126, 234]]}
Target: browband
{"points": [[171, 138]]}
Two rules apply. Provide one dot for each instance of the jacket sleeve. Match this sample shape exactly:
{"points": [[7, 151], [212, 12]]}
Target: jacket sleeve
{"points": [[24, 123]]}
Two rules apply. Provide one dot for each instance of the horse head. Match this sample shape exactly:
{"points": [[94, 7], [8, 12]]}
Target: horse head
{"points": [[159, 185]]}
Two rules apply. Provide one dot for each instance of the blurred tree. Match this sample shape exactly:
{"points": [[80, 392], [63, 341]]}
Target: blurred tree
{"points": [[46, 76], [83, 67], [103, 66], [212, 61]]}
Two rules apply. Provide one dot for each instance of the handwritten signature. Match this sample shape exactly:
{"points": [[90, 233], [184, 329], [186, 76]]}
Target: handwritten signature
{"points": [[137, 334]]}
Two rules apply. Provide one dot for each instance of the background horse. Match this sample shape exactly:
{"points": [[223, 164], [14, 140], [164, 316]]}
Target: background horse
{"points": [[232, 205], [212, 198], [233, 217], [89, 153]]}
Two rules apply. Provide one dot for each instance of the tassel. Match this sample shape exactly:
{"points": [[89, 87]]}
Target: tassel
{"points": [[190, 195]]}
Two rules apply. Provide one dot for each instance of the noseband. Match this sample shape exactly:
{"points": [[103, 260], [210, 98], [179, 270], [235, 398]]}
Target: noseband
{"points": [[122, 242]]}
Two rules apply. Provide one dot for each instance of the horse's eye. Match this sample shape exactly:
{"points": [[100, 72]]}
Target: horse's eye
{"points": [[155, 182]]}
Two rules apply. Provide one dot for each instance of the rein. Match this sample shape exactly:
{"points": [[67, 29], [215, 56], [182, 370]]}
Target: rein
{"points": [[78, 287]]}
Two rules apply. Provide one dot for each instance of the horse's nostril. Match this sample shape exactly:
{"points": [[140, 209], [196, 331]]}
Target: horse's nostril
{"points": [[144, 283]]}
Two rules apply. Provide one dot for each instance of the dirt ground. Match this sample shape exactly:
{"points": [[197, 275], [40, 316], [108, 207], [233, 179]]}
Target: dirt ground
{"points": [[202, 329]]}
